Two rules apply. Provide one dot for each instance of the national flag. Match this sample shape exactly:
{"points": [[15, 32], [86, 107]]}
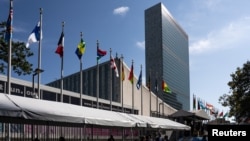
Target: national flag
{"points": [[100, 53], [220, 114], [113, 65], [35, 35], [60, 45], [209, 106], [123, 73], [194, 102], [214, 112], [165, 87], [131, 74], [198, 104], [8, 32], [202, 106], [139, 81], [225, 115], [80, 49]]}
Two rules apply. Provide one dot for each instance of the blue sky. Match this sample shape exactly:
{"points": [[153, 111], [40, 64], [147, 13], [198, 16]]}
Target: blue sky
{"points": [[218, 33]]}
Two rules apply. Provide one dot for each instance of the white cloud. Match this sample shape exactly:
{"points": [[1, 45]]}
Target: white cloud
{"points": [[121, 10], [141, 44], [211, 4], [231, 35]]}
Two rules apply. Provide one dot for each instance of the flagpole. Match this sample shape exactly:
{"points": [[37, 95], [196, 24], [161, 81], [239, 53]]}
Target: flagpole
{"points": [[9, 54], [111, 95], [39, 56], [149, 89], [10, 45], [122, 71], [141, 93], [133, 89], [162, 99], [156, 88], [62, 66], [97, 79], [121, 80], [81, 76], [81, 85]]}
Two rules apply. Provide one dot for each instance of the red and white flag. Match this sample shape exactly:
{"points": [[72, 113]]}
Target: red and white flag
{"points": [[209, 106], [113, 66]]}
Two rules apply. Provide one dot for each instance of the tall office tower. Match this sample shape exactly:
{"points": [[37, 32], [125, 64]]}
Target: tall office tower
{"points": [[167, 56]]}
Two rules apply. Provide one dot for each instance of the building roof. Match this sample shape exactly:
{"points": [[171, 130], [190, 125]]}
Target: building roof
{"points": [[17, 107], [196, 114]]}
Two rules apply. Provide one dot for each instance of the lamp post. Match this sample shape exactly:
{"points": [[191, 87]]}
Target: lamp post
{"points": [[37, 71]]}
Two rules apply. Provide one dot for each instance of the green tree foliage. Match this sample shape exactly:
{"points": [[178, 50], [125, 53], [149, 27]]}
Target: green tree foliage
{"points": [[238, 99], [19, 56]]}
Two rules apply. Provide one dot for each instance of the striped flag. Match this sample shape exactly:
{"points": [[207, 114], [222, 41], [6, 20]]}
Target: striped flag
{"points": [[113, 65], [60, 45], [100, 53], [131, 74]]}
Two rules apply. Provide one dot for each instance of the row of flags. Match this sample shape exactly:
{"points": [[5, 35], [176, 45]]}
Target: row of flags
{"points": [[202, 105], [36, 35], [165, 87]]}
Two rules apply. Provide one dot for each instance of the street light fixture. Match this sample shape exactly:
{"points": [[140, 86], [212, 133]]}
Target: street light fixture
{"points": [[36, 71]]}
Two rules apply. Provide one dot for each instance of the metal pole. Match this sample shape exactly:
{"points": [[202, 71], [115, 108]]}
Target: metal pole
{"points": [[141, 93], [81, 77], [10, 19], [132, 87], [122, 70], [97, 79], [111, 95], [62, 66], [33, 84], [39, 56], [150, 95]]}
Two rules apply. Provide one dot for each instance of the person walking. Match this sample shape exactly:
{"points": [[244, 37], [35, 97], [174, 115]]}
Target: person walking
{"points": [[111, 138], [166, 138]]}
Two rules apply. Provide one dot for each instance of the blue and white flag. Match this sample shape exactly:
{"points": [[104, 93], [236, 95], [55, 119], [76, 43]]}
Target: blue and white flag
{"points": [[35, 35]]}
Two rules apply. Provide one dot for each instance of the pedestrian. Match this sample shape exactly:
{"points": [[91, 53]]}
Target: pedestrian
{"points": [[111, 138], [158, 138], [61, 139], [166, 138]]}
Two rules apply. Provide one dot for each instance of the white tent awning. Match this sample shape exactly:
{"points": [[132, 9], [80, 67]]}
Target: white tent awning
{"points": [[44, 110]]}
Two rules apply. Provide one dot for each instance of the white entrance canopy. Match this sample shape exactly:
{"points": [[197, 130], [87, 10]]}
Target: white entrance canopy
{"points": [[160, 123], [44, 110]]}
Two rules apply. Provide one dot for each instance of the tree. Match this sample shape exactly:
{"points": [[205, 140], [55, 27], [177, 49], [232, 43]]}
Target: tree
{"points": [[238, 99], [19, 56]]}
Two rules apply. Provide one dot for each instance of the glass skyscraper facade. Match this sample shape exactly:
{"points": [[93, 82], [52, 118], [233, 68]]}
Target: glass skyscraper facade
{"points": [[167, 56]]}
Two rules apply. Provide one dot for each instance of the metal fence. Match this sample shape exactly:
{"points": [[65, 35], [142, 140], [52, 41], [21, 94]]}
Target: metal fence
{"points": [[71, 132]]}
